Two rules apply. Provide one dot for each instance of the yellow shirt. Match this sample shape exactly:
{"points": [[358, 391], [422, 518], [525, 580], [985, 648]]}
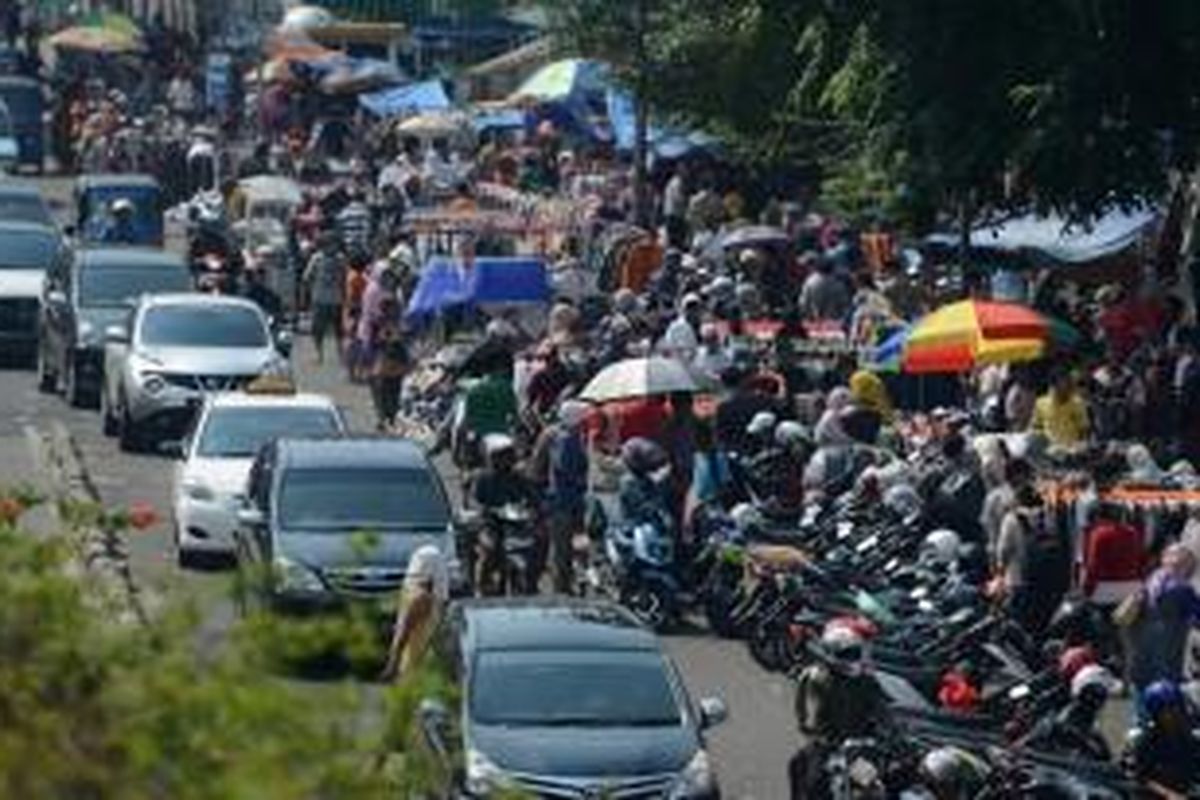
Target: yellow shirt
{"points": [[1064, 423]]}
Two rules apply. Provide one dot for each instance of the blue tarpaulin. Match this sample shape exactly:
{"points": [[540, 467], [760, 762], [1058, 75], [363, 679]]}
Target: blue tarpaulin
{"points": [[415, 98], [664, 142], [447, 283], [1054, 238], [506, 119]]}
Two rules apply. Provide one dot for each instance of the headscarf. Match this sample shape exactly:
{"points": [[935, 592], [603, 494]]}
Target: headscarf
{"points": [[829, 429], [867, 390], [372, 302], [1142, 467], [427, 564]]}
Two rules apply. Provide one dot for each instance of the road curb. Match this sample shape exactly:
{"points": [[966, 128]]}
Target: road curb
{"points": [[102, 556]]}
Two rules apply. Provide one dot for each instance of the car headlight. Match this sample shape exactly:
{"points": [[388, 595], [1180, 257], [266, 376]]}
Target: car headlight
{"points": [[696, 780], [483, 776], [291, 576], [195, 490]]}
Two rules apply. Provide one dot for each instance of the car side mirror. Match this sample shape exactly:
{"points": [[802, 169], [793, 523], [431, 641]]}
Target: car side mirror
{"points": [[713, 712], [251, 517], [56, 297]]}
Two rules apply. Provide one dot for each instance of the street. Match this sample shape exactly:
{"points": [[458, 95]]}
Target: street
{"points": [[751, 749]]}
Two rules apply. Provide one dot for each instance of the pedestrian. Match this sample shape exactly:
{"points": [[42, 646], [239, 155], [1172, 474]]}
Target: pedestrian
{"points": [[423, 598], [824, 295], [682, 337], [675, 208], [1114, 557], [1158, 631], [324, 277], [352, 314], [567, 486], [389, 364], [1032, 562], [1062, 414]]}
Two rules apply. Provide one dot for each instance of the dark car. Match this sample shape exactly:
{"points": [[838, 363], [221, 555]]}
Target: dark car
{"points": [[575, 699], [84, 296], [20, 202], [328, 521], [27, 252]]}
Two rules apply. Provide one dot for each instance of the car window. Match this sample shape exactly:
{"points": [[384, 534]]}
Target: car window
{"points": [[115, 286], [24, 207], [241, 432], [27, 249], [622, 688], [202, 326], [317, 499]]}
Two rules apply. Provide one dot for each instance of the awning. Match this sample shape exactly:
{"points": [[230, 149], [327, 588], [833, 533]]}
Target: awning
{"points": [[415, 98], [448, 283]]}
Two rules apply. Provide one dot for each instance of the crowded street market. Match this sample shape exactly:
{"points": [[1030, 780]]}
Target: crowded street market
{"points": [[939, 482]]}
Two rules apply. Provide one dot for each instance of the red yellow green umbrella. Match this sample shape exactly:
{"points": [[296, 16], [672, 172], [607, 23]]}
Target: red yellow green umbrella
{"points": [[972, 333]]}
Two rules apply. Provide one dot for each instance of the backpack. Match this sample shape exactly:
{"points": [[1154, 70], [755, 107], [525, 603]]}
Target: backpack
{"points": [[1047, 558]]}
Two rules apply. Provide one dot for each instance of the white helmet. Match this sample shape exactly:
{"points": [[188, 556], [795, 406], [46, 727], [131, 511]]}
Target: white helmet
{"points": [[943, 546], [902, 500], [1094, 675], [953, 772], [841, 641], [790, 434], [495, 444], [746, 517], [762, 424]]}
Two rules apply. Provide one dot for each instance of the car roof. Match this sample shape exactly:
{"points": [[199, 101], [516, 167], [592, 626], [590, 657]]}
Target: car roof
{"points": [[250, 400], [20, 189], [16, 226], [197, 299], [359, 452], [128, 257], [552, 623], [116, 179]]}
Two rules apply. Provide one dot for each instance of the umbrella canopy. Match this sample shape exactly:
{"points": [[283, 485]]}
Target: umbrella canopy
{"points": [[96, 40], [563, 81], [754, 236], [640, 377], [434, 124], [972, 333]]}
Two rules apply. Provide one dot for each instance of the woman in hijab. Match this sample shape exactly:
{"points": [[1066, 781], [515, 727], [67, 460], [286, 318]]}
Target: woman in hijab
{"points": [[423, 598], [1171, 608], [829, 427], [868, 391]]}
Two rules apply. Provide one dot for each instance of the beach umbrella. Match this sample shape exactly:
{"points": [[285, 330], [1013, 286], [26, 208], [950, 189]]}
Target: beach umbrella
{"points": [[972, 333], [640, 377]]}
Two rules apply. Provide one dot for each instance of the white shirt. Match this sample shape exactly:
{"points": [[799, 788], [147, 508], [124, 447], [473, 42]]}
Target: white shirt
{"points": [[680, 340]]}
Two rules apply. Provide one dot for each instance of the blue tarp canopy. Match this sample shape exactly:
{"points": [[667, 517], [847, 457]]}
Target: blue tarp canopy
{"points": [[505, 119], [415, 98], [665, 143], [1053, 237], [447, 283]]}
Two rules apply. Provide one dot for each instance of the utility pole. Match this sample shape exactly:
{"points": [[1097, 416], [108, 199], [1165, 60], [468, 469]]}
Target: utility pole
{"points": [[641, 66]]}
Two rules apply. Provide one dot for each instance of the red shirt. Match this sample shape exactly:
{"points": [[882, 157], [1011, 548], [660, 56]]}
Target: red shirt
{"points": [[1113, 552]]}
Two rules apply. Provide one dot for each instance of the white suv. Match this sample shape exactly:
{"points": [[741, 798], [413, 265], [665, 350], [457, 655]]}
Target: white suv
{"points": [[175, 349]]}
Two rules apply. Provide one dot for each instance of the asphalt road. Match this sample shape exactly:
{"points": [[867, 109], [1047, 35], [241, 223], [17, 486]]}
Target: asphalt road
{"points": [[750, 750]]}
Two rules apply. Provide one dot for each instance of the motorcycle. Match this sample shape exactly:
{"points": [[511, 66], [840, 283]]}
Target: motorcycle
{"points": [[510, 531], [639, 569]]}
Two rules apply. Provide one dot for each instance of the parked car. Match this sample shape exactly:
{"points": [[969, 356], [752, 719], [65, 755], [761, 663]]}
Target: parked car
{"points": [[215, 459], [175, 349], [573, 698], [22, 202], [85, 295], [27, 251], [331, 521]]}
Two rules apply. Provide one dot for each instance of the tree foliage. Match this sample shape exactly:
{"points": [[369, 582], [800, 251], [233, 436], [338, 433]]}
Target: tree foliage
{"points": [[91, 707]]}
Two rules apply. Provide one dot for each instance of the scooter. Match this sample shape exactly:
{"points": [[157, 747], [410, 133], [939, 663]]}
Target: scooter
{"points": [[511, 530], [641, 560]]}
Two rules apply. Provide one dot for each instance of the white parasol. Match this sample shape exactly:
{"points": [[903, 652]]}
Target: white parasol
{"points": [[640, 377]]}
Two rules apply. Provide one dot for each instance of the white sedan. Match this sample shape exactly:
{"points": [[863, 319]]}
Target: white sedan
{"points": [[215, 460]]}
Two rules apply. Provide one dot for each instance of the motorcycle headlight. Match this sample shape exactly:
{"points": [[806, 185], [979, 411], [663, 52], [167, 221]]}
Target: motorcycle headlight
{"points": [[198, 491], [291, 576], [483, 776], [696, 780]]}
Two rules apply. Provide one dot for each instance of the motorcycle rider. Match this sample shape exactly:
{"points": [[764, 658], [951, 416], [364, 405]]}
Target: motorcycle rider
{"points": [[498, 485], [1073, 731], [1164, 755], [120, 228], [837, 698], [645, 491]]}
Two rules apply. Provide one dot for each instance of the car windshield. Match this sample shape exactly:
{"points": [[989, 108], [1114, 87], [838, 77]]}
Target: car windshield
{"points": [[240, 432], [203, 326], [610, 688], [27, 249], [333, 499], [119, 287]]}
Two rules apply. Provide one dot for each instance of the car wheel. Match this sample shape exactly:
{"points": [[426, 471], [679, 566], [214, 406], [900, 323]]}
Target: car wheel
{"points": [[108, 423], [47, 380], [128, 438], [186, 559]]}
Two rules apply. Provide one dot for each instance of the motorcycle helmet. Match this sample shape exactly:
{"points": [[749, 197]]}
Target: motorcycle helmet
{"points": [[789, 435], [903, 501], [762, 424], [1074, 659], [642, 456], [943, 546], [842, 643], [498, 446], [951, 772], [1162, 696], [747, 518], [122, 206], [1094, 678]]}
